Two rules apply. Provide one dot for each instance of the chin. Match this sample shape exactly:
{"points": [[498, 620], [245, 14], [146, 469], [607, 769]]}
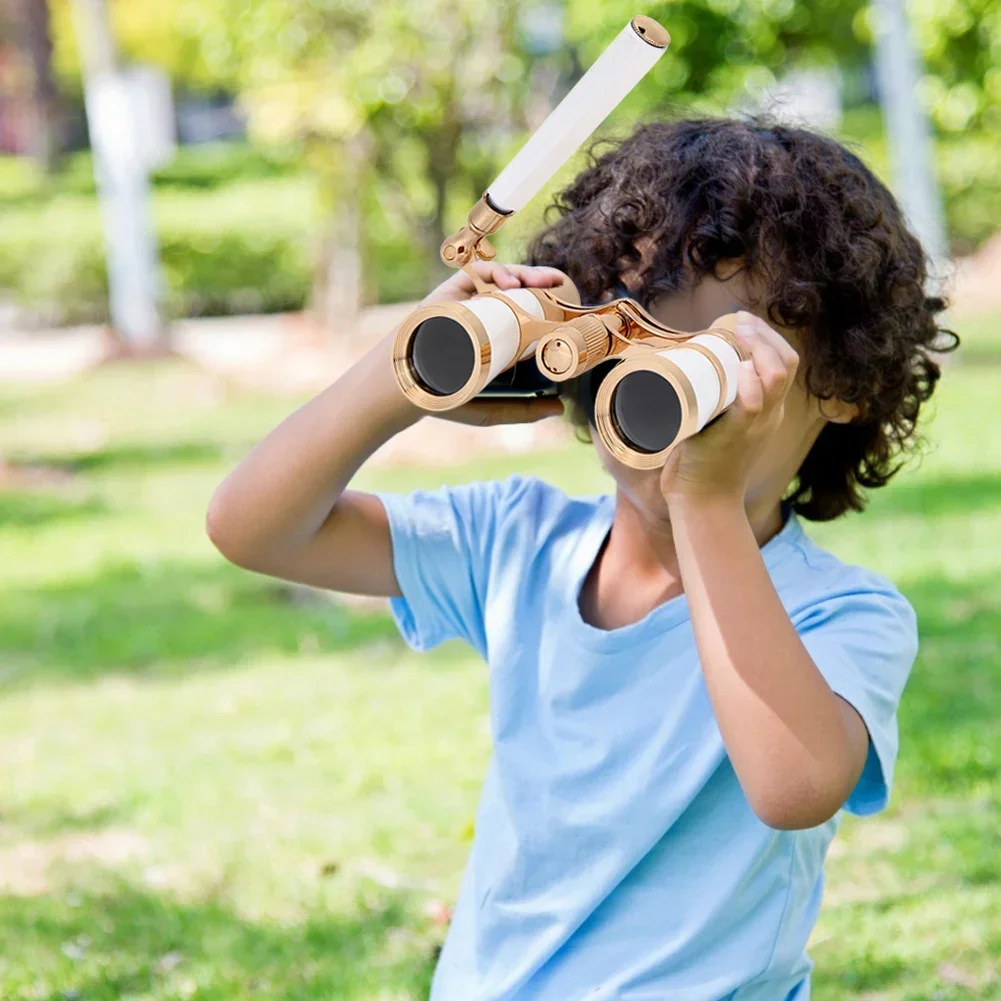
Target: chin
{"points": [[641, 487]]}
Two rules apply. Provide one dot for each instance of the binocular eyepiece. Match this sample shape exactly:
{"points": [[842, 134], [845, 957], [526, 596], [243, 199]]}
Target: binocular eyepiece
{"points": [[447, 353], [662, 386]]}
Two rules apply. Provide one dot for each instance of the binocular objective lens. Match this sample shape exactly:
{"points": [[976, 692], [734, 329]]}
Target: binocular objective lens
{"points": [[647, 410], [442, 355]]}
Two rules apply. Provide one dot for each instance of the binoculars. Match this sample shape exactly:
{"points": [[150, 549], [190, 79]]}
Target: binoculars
{"points": [[651, 386], [658, 386]]}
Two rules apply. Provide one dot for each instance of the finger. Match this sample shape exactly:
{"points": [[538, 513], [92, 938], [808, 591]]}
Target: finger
{"points": [[503, 276], [534, 276], [788, 354], [488, 413], [462, 284], [768, 363], [486, 271], [750, 399]]}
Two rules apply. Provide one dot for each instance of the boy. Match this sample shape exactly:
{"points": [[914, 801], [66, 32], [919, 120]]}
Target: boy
{"points": [[685, 691]]}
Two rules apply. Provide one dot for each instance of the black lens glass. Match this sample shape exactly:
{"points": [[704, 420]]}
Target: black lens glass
{"points": [[647, 411], [442, 355]]}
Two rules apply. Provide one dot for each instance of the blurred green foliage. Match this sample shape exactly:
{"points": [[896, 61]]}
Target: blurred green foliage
{"points": [[722, 48], [237, 230], [718, 46], [239, 227], [967, 168], [407, 111]]}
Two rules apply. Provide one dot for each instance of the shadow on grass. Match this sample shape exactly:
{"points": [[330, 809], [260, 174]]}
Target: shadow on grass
{"points": [[864, 974], [126, 941], [934, 498], [35, 509], [128, 457], [41, 820], [166, 618]]}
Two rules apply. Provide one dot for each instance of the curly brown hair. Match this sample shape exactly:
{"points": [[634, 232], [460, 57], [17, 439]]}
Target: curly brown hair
{"points": [[824, 238]]}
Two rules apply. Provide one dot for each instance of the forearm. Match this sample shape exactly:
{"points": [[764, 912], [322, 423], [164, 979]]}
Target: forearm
{"points": [[790, 739], [286, 488]]}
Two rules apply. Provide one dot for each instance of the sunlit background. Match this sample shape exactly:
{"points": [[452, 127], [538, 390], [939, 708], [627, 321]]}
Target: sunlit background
{"points": [[217, 787]]}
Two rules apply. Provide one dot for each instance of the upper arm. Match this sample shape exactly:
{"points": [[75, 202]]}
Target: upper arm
{"points": [[858, 744], [351, 552]]}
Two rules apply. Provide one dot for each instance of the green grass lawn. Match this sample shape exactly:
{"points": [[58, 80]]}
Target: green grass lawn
{"points": [[215, 787]]}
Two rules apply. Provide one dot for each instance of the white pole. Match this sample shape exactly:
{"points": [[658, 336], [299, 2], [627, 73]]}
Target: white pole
{"points": [[907, 130], [122, 182]]}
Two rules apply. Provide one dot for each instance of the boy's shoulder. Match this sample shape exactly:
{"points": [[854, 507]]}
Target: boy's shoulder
{"points": [[812, 577], [525, 499], [535, 494]]}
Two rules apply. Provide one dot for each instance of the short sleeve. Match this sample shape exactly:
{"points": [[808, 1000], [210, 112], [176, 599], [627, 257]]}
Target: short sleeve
{"points": [[864, 641], [442, 543]]}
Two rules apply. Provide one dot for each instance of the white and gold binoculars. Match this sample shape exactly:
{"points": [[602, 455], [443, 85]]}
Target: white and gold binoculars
{"points": [[660, 386]]}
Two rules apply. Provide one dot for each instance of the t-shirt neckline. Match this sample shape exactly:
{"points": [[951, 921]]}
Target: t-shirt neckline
{"points": [[666, 616]]}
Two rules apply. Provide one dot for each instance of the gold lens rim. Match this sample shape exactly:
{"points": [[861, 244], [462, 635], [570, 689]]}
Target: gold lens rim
{"points": [[406, 378], [606, 424]]}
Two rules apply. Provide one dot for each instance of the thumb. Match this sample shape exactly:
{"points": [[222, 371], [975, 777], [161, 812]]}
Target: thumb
{"points": [[750, 399]]}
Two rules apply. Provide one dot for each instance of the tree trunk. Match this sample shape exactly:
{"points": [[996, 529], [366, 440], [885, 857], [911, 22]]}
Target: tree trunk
{"points": [[337, 296], [46, 104], [338, 287], [443, 163], [123, 190]]}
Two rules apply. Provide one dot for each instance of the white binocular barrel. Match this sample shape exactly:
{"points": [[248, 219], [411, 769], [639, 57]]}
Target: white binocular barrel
{"points": [[611, 77], [650, 402], [450, 351]]}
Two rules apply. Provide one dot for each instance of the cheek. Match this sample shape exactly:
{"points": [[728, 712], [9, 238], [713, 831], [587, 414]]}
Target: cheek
{"points": [[641, 486], [792, 438], [800, 410]]}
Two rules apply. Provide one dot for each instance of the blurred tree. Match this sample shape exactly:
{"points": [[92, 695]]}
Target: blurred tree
{"points": [[724, 49], [407, 104], [407, 108], [718, 47], [25, 30], [960, 45], [189, 39], [121, 173], [36, 42]]}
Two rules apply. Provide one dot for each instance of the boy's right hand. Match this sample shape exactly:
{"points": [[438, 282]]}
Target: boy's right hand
{"points": [[492, 411]]}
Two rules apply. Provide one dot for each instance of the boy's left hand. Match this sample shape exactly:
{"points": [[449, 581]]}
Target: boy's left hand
{"points": [[719, 460]]}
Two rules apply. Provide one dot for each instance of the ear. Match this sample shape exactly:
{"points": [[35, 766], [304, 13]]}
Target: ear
{"points": [[838, 411], [728, 267]]}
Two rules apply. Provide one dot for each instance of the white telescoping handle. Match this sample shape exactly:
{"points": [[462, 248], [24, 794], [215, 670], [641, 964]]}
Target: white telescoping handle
{"points": [[613, 74]]}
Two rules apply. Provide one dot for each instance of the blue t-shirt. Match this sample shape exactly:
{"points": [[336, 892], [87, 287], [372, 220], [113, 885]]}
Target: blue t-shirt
{"points": [[615, 856]]}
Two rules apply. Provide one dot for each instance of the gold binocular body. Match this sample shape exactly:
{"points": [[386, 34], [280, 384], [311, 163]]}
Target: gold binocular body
{"points": [[661, 386]]}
